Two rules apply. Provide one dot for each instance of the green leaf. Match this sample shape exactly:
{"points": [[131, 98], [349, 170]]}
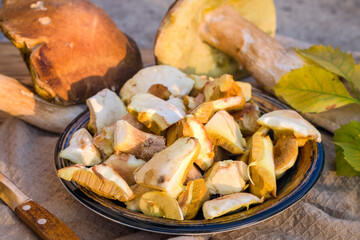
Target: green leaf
{"points": [[313, 89], [356, 77], [348, 138], [335, 61], [343, 168]]}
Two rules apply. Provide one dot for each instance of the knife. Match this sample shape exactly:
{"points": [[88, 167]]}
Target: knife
{"points": [[40, 220]]}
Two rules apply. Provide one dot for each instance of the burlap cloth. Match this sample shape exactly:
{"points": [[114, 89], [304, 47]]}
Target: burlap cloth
{"points": [[331, 210]]}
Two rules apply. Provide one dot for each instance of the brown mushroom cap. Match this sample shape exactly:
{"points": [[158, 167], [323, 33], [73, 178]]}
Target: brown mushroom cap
{"points": [[72, 48]]}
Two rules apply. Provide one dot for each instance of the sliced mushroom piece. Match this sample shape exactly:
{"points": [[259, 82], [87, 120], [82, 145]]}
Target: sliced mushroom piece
{"points": [[129, 139], [207, 109], [167, 169], [262, 167], [159, 204], [222, 205], [192, 102], [194, 173], [177, 102], [224, 132], [193, 197], [155, 113], [199, 84], [134, 122], [138, 191], [191, 127], [222, 87], [101, 179], [221, 154], [160, 91], [81, 149], [289, 120], [247, 117], [285, 155], [226, 177], [105, 109], [177, 82], [246, 89], [125, 165], [105, 140]]}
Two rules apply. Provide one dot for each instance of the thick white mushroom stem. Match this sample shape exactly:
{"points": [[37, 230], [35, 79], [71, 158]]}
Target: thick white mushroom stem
{"points": [[265, 58], [129, 139], [17, 100]]}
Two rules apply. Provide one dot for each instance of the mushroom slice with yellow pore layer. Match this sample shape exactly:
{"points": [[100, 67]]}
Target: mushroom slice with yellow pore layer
{"points": [[125, 165], [289, 121], [191, 127], [129, 139], [138, 191], [224, 132], [100, 179], [206, 110], [81, 149], [285, 155], [247, 117], [155, 113], [105, 109], [246, 89], [222, 87], [160, 204], [193, 174], [193, 197], [222, 205], [167, 169], [226, 177], [262, 167], [177, 82]]}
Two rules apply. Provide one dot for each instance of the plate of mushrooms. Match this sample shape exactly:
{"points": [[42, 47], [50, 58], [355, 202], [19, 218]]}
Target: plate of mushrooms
{"points": [[187, 154]]}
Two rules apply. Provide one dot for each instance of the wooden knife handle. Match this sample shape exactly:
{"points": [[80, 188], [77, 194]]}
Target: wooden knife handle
{"points": [[41, 221]]}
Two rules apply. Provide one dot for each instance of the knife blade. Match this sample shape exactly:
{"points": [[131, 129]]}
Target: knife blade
{"points": [[40, 220]]}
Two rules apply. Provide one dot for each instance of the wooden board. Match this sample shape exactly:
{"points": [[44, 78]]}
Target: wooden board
{"points": [[12, 65]]}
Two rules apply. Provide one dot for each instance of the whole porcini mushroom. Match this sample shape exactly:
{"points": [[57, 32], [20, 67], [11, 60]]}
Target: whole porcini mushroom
{"points": [[178, 42], [72, 48]]}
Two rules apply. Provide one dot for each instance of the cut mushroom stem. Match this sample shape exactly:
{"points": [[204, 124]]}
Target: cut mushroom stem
{"points": [[129, 139], [264, 57], [17, 100]]}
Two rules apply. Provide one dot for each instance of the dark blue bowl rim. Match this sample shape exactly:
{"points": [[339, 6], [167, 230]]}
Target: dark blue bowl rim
{"points": [[293, 197]]}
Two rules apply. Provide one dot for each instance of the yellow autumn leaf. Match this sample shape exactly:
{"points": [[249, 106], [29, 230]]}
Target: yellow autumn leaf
{"points": [[335, 61], [313, 89]]}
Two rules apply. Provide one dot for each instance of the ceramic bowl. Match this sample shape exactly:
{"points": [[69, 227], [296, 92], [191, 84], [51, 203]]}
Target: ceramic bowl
{"points": [[290, 188]]}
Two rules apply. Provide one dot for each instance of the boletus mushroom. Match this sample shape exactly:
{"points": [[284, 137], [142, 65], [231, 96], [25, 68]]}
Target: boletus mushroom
{"points": [[72, 48], [178, 42]]}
